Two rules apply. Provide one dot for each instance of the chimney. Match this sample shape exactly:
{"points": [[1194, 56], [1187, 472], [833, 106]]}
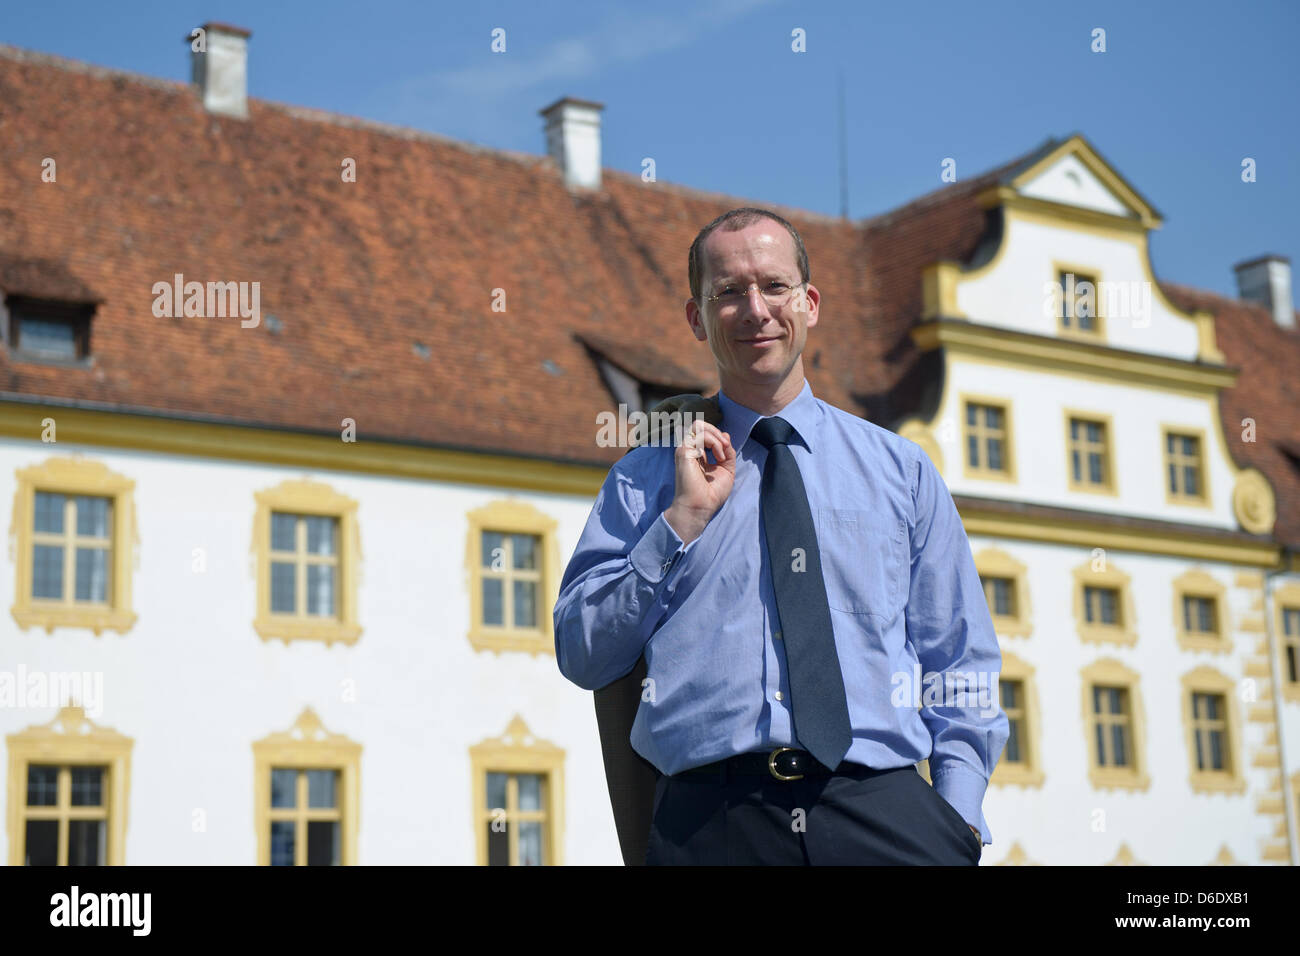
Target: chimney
{"points": [[573, 140], [1267, 280], [219, 67]]}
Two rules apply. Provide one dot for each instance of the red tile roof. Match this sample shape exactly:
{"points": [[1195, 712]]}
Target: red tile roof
{"points": [[382, 289]]}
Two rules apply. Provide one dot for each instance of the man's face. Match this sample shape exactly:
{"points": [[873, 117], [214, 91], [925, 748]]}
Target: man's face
{"points": [[755, 344]]}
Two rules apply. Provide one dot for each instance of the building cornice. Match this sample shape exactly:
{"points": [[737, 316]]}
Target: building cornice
{"points": [[1051, 524], [297, 449], [1098, 362]]}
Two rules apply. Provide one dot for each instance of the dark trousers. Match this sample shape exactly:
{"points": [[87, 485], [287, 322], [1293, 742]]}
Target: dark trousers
{"points": [[857, 817]]}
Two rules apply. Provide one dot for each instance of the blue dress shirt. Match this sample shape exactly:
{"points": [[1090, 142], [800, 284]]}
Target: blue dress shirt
{"points": [[907, 607]]}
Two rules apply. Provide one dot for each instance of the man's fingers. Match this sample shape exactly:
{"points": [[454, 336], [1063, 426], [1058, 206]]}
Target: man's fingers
{"points": [[711, 437]]}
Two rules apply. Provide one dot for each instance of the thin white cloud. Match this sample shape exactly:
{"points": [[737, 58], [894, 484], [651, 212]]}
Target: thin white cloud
{"points": [[622, 40]]}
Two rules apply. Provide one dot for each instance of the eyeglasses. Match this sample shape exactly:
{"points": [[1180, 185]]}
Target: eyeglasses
{"points": [[775, 293]]}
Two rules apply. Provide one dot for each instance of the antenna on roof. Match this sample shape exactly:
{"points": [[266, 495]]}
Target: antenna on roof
{"points": [[844, 155]]}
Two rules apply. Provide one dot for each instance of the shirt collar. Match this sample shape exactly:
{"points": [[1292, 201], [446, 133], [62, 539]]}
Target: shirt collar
{"points": [[801, 412]]}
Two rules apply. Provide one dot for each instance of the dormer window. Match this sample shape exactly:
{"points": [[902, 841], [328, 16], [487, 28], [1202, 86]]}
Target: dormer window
{"points": [[652, 395], [46, 330]]}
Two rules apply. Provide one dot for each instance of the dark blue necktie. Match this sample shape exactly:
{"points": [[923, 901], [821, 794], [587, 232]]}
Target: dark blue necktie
{"points": [[821, 712]]}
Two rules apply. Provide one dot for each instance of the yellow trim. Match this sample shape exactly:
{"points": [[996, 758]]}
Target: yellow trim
{"points": [[1008, 473], [1286, 596], [1016, 856], [1109, 672], [1078, 358], [915, 430], [307, 745], [308, 498], [510, 516], [1123, 633], [1093, 275], [1198, 583], [1082, 150], [1093, 534], [74, 476], [1204, 499], [1253, 502], [1029, 772], [1109, 485], [519, 751], [71, 739], [302, 451], [1208, 680], [939, 290], [1124, 857], [1207, 347], [993, 562], [1017, 208], [1033, 210]]}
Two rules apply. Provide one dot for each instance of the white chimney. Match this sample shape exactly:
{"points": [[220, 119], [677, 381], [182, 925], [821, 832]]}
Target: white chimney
{"points": [[219, 67], [1267, 280], [573, 140]]}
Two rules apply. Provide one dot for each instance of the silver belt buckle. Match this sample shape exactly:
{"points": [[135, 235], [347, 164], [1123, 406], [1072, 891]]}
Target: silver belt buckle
{"points": [[771, 765]]}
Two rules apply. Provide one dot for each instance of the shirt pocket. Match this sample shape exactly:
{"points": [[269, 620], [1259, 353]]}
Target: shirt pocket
{"points": [[863, 557]]}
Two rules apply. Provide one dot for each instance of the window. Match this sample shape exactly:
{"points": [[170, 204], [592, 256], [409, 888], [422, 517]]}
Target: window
{"points": [[1291, 643], [987, 434], [306, 783], [1101, 606], [1089, 458], [513, 564], [1114, 726], [1211, 722], [74, 528], [511, 580], [1184, 468], [49, 331], [1286, 607], [66, 819], [304, 565], [1001, 595], [1200, 612], [518, 799], [1200, 615], [517, 803], [1006, 591], [1012, 693], [1103, 602], [1079, 309], [305, 542], [1020, 762], [305, 818], [68, 786]]}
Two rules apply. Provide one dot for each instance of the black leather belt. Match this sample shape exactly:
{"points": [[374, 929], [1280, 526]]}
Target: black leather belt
{"points": [[783, 763]]}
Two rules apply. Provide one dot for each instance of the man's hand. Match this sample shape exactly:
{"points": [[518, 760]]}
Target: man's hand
{"points": [[701, 488]]}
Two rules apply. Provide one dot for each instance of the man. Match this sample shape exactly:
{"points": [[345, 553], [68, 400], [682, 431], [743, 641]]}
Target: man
{"points": [[786, 597]]}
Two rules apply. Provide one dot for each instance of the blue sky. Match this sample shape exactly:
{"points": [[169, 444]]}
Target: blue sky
{"points": [[712, 91]]}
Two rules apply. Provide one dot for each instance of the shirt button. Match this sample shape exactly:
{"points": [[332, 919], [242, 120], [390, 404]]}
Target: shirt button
{"points": [[776, 636], [780, 696]]}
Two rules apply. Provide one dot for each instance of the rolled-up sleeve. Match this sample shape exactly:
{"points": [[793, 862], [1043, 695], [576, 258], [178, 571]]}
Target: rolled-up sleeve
{"points": [[618, 583], [949, 627]]}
